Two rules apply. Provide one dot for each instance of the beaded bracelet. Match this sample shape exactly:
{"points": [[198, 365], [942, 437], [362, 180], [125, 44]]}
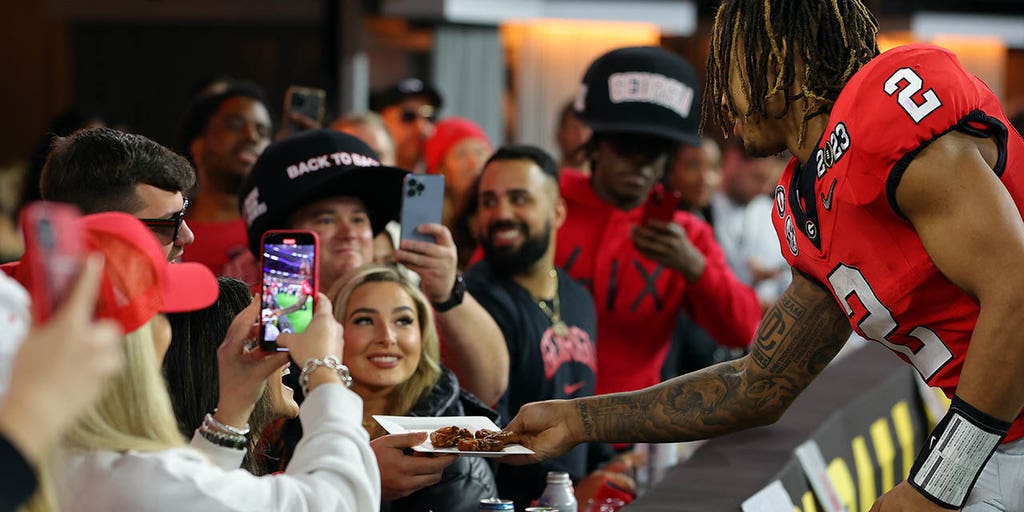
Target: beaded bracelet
{"points": [[216, 425], [333, 362], [221, 439]]}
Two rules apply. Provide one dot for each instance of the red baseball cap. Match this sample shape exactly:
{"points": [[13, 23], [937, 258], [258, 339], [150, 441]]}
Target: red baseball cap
{"points": [[447, 134], [138, 281]]}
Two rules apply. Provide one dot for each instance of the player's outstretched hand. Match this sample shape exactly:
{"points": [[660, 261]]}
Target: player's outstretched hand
{"points": [[548, 428], [904, 498]]}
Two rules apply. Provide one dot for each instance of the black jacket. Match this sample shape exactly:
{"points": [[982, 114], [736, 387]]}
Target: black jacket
{"points": [[467, 480]]}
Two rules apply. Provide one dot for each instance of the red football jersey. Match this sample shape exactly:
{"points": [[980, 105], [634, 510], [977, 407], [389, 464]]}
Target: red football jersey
{"points": [[838, 222]]}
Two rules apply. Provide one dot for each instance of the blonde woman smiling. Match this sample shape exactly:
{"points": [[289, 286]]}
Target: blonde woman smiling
{"points": [[393, 353]]}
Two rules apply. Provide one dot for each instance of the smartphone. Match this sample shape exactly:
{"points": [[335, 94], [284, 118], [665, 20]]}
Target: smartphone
{"points": [[422, 203], [306, 101], [55, 251], [661, 205], [289, 280]]}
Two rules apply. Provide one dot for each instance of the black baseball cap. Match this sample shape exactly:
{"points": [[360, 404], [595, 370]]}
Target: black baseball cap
{"points": [[642, 90], [314, 165], [408, 88]]}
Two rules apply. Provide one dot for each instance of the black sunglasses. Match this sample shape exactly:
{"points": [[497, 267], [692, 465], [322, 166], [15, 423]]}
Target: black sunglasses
{"points": [[167, 230], [650, 148], [412, 115]]}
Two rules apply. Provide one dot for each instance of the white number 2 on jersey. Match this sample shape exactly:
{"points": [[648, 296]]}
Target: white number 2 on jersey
{"points": [[917, 111], [879, 325]]}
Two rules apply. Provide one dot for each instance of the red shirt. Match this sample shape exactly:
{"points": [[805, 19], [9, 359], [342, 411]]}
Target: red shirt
{"points": [[637, 300], [844, 228], [224, 248]]}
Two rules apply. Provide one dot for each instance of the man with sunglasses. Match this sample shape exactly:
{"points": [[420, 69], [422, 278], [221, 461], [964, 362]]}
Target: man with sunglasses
{"points": [[641, 104], [409, 110], [101, 170]]}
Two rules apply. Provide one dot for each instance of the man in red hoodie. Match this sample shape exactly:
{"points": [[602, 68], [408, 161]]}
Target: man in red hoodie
{"points": [[642, 103]]}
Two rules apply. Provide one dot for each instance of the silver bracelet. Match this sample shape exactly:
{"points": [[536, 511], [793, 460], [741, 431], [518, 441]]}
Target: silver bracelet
{"points": [[333, 362], [216, 425], [235, 442]]}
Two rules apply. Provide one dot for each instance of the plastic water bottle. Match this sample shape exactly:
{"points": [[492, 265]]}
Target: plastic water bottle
{"points": [[559, 492]]}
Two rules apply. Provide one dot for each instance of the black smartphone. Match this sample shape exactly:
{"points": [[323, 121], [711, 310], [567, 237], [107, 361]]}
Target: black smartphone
{"points": [[55, 252], [289, 281], [422, 203], [309, 102]]}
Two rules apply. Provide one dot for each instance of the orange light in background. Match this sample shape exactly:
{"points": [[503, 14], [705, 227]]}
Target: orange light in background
{"points": [[985, 57], [578, 37], [573, 30], [547, 57], [890, 40]]}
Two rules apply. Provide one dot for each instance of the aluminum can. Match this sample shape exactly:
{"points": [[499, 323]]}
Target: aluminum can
{"points": [[489, 504]]}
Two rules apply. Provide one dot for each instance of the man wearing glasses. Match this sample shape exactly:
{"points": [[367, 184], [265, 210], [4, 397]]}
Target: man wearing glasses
{"points": [[223, 134], [409, 109], [101, 170]]}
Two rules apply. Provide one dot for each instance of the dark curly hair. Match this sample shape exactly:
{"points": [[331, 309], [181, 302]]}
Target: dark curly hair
{"points": [[98, 169], [832, 38]]}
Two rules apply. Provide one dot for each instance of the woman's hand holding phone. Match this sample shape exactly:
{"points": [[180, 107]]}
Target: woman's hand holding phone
{"points": [[243, 373], [322, 337]]}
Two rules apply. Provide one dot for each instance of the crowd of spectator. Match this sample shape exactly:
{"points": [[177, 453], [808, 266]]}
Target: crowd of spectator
{"points": [[544, 279]]}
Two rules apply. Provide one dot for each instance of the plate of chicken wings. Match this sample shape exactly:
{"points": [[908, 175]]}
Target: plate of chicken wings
{"points": [[460, 435]]}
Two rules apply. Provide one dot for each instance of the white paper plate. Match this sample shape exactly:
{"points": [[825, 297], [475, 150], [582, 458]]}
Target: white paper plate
{"points": [[406, 424]]}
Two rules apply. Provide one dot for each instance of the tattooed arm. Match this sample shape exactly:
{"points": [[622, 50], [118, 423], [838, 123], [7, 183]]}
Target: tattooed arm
{"points": [[797, 338]]}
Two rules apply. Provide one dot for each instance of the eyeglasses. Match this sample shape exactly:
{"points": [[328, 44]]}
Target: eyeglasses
{"points": [[427, 112], [167, 230]]}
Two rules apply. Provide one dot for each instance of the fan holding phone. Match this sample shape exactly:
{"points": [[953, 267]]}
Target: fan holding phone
{"points": [[288, 284], [422, 203], [661, 205], [333, 184], [304, 108]]}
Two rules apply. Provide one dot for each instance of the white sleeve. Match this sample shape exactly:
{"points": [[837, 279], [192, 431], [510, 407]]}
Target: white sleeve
{"points": [[222, 456], [333, 469]]}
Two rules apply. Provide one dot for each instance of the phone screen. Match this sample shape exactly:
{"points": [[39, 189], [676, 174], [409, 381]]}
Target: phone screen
{"points": [[422, 203], [288, 285]]}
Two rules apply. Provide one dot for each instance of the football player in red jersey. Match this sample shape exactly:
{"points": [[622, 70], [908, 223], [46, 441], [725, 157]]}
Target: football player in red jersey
{"points": [[900, 214]]}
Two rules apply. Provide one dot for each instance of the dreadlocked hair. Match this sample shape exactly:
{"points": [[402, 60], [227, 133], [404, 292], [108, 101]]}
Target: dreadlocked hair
{"points": [[833, 39]]}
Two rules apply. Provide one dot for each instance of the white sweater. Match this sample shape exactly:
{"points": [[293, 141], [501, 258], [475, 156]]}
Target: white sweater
{"points": [[333, 469]]}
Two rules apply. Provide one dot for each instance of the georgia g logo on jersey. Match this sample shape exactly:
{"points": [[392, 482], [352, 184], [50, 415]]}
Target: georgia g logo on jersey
{"points": [[791, 235], [780, 201]]}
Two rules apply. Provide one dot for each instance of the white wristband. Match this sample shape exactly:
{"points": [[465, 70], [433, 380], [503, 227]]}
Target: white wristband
{"points": [[956, 452]]}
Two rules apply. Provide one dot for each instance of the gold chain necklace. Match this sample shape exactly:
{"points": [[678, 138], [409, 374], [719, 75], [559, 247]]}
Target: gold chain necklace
{"points": [[554, 313]]}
